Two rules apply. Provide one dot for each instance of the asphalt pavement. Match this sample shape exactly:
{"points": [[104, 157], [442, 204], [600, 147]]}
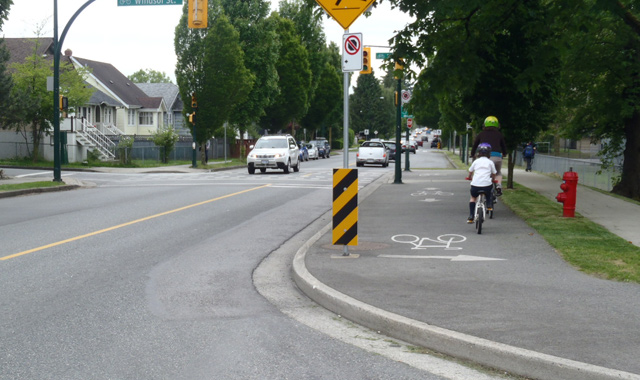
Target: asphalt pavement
{"points": [[504, 299]]}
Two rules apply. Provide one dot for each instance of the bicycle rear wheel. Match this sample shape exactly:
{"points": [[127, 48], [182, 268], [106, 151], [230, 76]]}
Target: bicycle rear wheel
{"points": [[480, 213]]}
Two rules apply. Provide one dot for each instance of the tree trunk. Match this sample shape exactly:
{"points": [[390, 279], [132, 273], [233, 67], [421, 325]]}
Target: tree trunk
{"points": [[511, 164], [35, 138], [629, 185]]}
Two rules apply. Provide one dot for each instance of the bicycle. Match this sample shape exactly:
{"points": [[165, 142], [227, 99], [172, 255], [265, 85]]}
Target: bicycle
{"points": [[482, 207], [494, 198]]}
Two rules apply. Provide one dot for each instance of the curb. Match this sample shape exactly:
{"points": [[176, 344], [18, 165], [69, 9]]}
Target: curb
{"points": [[500, 356], [37, 190]]}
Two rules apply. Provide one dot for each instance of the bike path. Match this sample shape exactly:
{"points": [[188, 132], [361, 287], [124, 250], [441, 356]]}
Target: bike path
{"points": [[504, 298]]}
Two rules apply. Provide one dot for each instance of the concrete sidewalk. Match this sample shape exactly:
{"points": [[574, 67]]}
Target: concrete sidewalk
{"points": [[504, 299]]}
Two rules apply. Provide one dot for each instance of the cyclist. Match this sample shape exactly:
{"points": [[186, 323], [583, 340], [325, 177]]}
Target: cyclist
{"points": [[491, 135], [481, 173]]}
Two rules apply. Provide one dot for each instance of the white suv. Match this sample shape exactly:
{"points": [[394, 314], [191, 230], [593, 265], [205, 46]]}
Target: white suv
{"points": [[274, 152]]}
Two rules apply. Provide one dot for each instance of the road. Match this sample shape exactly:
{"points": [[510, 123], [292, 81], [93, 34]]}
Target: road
{"points": [[149, 276]]}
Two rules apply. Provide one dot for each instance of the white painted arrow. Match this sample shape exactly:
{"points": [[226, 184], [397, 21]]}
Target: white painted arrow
{"points": [[452, 258]]}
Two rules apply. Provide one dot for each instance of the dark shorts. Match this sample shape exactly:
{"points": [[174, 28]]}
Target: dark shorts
{"points": [[475, 190]]}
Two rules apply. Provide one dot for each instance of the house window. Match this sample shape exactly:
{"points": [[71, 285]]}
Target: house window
{"points": [[146, 118], [97, 114], [131, 117]]}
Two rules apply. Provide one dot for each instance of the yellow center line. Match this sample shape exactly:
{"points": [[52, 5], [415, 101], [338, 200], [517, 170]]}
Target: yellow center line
{"points": [[127, 224]]}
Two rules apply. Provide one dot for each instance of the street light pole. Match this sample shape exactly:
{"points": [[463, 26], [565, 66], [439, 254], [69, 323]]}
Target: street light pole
{"points": [[57, 48]]}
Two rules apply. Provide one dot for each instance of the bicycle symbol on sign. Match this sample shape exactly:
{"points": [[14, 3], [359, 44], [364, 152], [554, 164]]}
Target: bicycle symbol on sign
{"points": [[442, 241]]}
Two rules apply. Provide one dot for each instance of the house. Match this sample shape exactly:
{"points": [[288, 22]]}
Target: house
{"points": [[171, 95], [117, 106], [138, 113]]}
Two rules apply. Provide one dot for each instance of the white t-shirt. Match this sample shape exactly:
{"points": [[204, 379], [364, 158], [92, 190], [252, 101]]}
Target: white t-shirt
{"points": [[482, 169]]}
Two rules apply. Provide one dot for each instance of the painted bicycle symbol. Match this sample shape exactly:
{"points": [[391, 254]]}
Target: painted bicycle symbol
{"points": [[442, 241], [431, 192]]}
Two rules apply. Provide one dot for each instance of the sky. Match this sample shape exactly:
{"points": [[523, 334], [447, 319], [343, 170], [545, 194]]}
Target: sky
{"points": [[141, 37]]}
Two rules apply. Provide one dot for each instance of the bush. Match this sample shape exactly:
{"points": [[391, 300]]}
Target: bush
{"points": [[124, 147], [166, 138]]}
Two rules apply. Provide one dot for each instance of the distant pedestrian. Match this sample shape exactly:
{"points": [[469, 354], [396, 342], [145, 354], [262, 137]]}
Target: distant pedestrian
{"points": [[528, 153]]}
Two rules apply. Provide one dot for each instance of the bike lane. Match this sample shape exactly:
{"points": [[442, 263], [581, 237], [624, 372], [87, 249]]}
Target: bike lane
{"points": [[418, 258]]}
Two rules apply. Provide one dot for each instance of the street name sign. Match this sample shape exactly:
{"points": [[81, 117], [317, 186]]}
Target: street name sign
{"points": [[345, 12], [383, 55], [122, 3], [351, 52]]}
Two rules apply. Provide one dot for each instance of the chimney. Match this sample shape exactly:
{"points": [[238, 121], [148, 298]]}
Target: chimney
{"points": [[68, 53]]}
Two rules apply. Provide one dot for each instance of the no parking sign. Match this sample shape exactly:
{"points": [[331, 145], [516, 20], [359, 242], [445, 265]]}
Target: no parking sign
{"points": [[351, 52]]}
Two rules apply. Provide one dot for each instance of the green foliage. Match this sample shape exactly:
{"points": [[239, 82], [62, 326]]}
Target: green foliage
{"points": [[225, 79], [166, 138], [366, 108], [124, 149], [260, 44], [149, 76], [292, 103]]}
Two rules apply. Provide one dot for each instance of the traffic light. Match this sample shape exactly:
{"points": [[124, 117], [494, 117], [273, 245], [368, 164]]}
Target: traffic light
{"points": [[366, 61], [194, 102], [64, 103], [397, 71], [197, 16], [192, 118]]}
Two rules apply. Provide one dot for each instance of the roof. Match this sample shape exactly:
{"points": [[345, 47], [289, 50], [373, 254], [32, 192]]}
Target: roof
{"points": [[119, 84], [21, 48], [169, 91], [100, 97]]}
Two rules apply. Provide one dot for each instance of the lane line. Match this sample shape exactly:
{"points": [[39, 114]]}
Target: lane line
{"points": [[127, 224]]}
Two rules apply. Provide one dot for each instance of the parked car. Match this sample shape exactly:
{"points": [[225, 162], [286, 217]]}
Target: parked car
{"points": [[274, 152], [434, 142], [304, 153], [312, 148], [372, 152], [327, 148], [391, 149], [322, 152]]}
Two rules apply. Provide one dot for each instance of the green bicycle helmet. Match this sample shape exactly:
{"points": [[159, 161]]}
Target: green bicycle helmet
{"points": [[491, 121]]}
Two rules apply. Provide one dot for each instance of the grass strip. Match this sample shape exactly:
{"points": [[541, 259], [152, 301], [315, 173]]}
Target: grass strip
{"points": [[29, 185], [582, 243]]}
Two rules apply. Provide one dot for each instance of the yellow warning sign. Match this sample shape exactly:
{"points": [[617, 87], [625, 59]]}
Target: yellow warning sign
{"points": [[345, 207], [345, 12]]}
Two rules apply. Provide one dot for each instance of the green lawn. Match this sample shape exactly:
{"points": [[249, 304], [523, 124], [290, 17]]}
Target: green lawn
{"points": [[29, 185], [582, 243]]}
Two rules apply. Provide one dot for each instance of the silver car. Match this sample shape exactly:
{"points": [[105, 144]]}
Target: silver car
{"points": [[274, 152]]}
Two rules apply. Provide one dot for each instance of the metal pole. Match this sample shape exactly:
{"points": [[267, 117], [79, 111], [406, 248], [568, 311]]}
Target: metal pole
{"points": [[57, 47], [398, 177], [57, 172], [345, 121], [406, 160]]}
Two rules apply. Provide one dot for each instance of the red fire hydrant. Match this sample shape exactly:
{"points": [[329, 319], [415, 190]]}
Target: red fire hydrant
{"points": [[568, 195]]}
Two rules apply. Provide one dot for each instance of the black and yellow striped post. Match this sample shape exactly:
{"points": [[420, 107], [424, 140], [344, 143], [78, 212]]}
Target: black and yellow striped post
{"points": [[345, 208]]}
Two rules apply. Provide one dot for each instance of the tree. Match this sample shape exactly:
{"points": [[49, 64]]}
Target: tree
{"points": [[31, 106], [367, 107], [5, 77], [226, 81], [292, 103], [601, 81], [149, 76], [260, 44], [485, 58]]}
